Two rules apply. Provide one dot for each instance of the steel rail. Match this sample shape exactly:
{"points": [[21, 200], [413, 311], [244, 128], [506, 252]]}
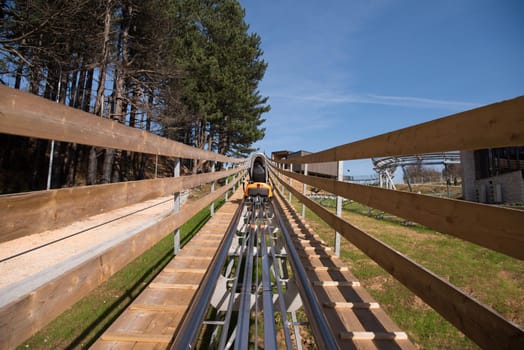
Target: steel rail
{"points": [[270, 340], [281, 301], [187, 333], [258, 287], [319, 324], [227, 319], [244, 313]]}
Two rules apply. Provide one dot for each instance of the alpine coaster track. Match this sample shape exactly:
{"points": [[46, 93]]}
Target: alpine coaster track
{"points": [[227, 291]]}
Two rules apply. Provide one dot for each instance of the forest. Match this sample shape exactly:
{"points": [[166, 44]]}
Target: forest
{"points": [[187, 70]]}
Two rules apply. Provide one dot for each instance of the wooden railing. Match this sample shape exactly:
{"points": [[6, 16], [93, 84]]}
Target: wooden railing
{"points": [[33, 212], [29, 115], [496, 228]]}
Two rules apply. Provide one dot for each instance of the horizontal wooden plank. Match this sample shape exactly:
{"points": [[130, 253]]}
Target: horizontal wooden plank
{"points": [[346, 305], [493, 227], [496, 125], [194, 257], [29, 115], [173, 286], [327, 268], [374, 335], [336, 283], [139, 338], [157, 307], [313, 248], [480, 323], [182, 270], [19, 320], [315, 256], [27, 213]]}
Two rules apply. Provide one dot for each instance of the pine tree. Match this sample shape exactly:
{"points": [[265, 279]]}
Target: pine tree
{"points": [[185, 69]]}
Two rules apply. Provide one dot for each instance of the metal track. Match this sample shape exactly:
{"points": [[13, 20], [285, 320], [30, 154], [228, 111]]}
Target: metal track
{"points": [[269, 283], [258, 277], [258, 289]]}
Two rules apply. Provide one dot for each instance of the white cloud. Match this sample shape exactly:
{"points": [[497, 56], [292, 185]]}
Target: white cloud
{"points": [[404, 101]]}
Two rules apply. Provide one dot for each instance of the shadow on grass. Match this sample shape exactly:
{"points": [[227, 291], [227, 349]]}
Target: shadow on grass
{"points": [[111, 313], [90, 334]]}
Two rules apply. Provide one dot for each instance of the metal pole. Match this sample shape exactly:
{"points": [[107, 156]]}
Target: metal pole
{"points": [[156, 166], [270, 340], [212, 208], [282, 188], [52, 155], [242, 339], [340, 177], [304, 186], [227, 320], [290, 182], [297, 330], [448, 180], [227, 193], [50, 171], [176, 237], [278, 272]]}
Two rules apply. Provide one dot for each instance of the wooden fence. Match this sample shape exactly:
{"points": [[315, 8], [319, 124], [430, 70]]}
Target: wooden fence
{"points": [[499, 229], [33, 212]]}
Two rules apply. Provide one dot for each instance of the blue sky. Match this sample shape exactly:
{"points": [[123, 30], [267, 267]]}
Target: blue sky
{"points": [[344, 70]]}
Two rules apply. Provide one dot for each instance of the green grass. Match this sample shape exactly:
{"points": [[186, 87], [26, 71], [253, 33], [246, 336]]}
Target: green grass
{"points": [[80, 326], [490, 277]]}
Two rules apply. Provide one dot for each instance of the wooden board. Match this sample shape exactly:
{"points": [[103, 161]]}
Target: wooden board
{"points": [[493, 227], [497, 125], [29, 115], [28, 314], [33, 212]]}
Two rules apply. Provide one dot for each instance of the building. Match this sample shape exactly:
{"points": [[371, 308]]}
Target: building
{"points": [[493, 175], [327, 169]]}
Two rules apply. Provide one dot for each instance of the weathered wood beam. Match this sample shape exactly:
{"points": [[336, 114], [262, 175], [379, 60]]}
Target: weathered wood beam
{"points": [[27, 213], [493, 227], [29, 115], [497, 125]]}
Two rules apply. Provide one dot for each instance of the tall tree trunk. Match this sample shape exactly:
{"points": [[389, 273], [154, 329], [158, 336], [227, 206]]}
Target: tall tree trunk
{"points": [[18, 77], [72, 160], [114, 155], [73, 93], [99, 103], [144, 157], [86, 93], [78, 80], [92, 167], [131, 104]]}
